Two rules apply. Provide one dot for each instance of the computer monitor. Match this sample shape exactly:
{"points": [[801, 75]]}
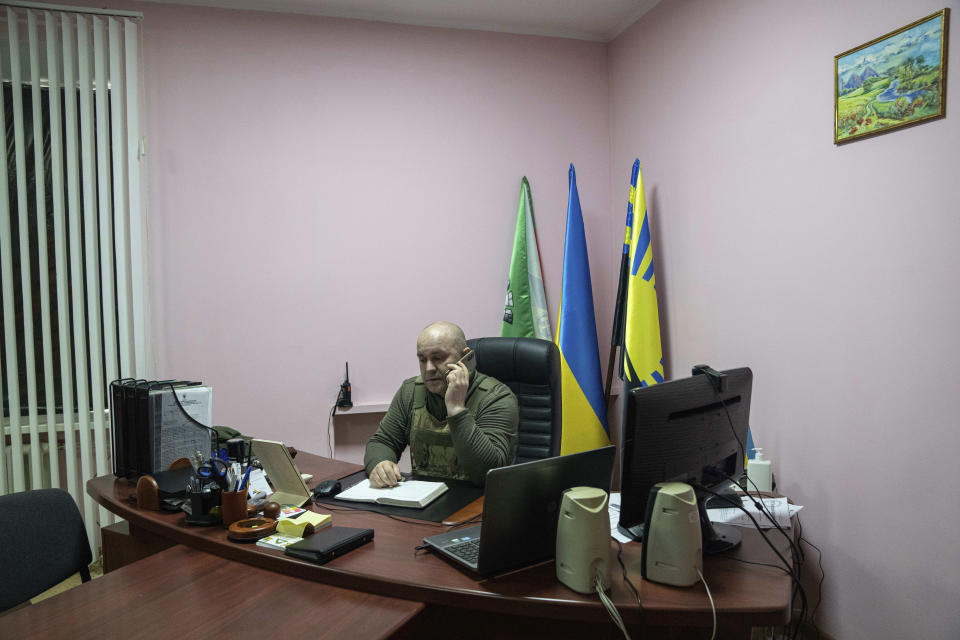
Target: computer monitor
{"points": [[678, 431]]}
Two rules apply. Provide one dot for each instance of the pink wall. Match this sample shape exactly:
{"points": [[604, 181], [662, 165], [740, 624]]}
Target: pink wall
{"points": [[831, 271], [321, 189]]}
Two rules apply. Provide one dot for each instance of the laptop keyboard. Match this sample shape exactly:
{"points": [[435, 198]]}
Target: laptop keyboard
{"points": [[467, 551]]}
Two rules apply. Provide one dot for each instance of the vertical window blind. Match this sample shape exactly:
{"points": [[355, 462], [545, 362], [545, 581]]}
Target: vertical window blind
{"points": [[72, 241]]}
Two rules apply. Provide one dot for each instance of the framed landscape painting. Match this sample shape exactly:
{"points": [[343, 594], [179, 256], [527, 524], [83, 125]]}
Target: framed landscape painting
{"points": [[893, 81]]}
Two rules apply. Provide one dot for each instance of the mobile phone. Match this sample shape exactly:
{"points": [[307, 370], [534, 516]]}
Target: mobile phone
{"points": [[469, 360]]}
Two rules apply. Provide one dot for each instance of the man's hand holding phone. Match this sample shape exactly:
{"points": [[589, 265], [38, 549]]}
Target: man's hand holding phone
{"points": [[458, 382]]}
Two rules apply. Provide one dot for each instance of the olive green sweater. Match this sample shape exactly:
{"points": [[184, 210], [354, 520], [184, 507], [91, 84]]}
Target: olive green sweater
{"points": [[482, 441]]}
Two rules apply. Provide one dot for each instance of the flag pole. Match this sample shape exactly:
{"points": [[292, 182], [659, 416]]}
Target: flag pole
{"points": [[616, 339], [619, 312]]}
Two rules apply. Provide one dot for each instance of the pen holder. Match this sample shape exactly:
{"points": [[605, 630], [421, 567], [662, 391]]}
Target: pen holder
{"points": [[201, 505], [233, 506]]}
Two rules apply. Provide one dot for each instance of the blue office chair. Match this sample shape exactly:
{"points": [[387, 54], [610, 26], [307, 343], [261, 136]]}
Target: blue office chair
{"points": [[42, 543], [531, 368]]}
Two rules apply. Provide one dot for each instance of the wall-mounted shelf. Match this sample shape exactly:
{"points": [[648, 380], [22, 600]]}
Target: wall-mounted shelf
{"points": [[364, 408]]}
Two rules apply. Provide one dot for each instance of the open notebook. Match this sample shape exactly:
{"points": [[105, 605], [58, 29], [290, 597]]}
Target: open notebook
{"points": [[409, 493]]}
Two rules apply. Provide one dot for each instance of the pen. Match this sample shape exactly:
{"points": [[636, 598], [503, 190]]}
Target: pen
{"points": [[246, 477]]}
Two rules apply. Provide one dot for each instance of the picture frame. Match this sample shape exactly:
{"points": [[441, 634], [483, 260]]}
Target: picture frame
{"points": [[894, 81]]}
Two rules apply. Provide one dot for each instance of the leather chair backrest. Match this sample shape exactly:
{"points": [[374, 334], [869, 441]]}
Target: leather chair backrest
{"points": [[42, 543], [531, 368]]}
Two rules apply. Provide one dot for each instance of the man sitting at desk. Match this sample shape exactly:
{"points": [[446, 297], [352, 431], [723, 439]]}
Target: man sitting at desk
{"points": [[458, 423]]}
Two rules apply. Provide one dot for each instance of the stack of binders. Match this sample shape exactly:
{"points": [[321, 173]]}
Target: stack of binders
{"points": [[154, 422]]}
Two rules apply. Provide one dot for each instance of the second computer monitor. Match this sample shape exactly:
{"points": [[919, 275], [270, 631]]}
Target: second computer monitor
{"points": [[690, 430]]}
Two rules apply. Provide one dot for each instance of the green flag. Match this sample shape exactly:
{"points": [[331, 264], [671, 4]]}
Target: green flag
{"points": [[525, 309]]}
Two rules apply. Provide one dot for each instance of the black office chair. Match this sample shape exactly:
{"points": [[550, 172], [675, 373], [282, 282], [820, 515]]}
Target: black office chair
{"points": [[531, 368], [42, 543]]}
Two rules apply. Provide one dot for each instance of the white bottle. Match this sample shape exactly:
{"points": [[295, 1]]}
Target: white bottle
{"points": [[758, 473]]}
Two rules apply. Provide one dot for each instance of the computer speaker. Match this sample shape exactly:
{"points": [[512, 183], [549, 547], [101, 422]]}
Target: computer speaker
{"points": [[583, 539], [672, 550]]}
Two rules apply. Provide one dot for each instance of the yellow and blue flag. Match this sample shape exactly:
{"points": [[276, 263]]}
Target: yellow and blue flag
{"points": [[584, 412], [642, 363]]}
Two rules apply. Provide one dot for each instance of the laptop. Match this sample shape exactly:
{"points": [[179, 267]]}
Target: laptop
{"points": [[520, 511]]}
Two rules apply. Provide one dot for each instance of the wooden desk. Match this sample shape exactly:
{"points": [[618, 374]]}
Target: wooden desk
{"points": [[181, 592], [528, 601]]}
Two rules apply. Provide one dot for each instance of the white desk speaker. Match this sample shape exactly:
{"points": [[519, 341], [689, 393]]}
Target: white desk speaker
{"points": [[583, 539], [672, 550]]}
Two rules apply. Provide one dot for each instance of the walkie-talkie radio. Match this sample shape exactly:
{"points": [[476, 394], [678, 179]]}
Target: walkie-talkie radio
{"points": [[343, 400]]}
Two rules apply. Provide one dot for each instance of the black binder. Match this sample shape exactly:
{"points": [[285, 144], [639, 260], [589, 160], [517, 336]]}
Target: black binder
{"points": [[330, 543], [150, 429], [118, 421]]}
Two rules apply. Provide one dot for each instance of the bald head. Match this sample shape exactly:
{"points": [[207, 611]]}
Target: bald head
{"points": [[444, 332], [438, 345]]}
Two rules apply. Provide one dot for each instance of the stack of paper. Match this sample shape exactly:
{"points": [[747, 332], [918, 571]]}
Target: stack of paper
{"points": [[777, 507], [781, 510]]}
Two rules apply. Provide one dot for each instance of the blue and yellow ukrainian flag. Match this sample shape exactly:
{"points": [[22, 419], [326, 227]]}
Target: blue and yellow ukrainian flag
{"points": [[584, 413], [642, 353]]}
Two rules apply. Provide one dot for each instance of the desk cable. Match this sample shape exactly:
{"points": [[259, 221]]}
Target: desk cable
{"points": [[800, 540], [333, 410], [798, 588], [605, 599], [713, 607], [796, 553], [608, 604], [626, 578]]}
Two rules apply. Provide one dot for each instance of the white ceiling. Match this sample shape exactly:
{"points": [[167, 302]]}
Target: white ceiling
{"points": [[598, 20]]}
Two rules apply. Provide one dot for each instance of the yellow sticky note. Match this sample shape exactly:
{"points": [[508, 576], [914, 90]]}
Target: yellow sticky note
{"points": [[305, 524], [318, 520]]}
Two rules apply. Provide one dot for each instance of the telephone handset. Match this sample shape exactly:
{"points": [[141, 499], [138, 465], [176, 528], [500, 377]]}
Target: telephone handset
{"points": [[469, 360]]}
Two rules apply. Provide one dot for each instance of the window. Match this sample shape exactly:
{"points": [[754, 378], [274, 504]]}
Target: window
{"points": [[71, 238], [33, 237]]}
